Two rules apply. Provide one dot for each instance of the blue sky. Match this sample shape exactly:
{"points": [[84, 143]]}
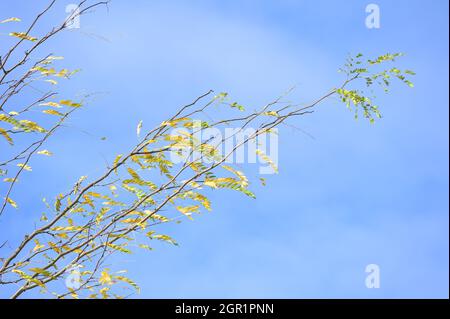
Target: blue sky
{"points": [[353, 195]]}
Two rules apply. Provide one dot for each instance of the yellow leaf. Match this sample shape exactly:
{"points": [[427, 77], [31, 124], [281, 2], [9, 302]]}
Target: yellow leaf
{"points": [[67, 228], [52, 81], [144, 246], [45, 152], [62, 73], [43, 70], [32, 126], [96, 195], [138, 129], [6, 136], [271, 113], [69, 103], [104, 292], [210, 183], [128, 281], [53, 112], [10, 20], [242, 177], [188, 210], [102, 213], [41, 271], [267, 159], [133, 174], [38, 245], [165, 238], [105, 278], [263, 181], [119, 248], [131, 220], [11, 202], [28, 277], [62, 235], [58, 203], [51, 104], [52, 57], [116, 162], [54, 247], [74, 295], [23, 35], [25, 167], [174, 122]]}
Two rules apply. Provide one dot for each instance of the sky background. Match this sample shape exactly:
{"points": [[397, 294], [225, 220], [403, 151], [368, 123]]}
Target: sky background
{"points": [[354, 194]]}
